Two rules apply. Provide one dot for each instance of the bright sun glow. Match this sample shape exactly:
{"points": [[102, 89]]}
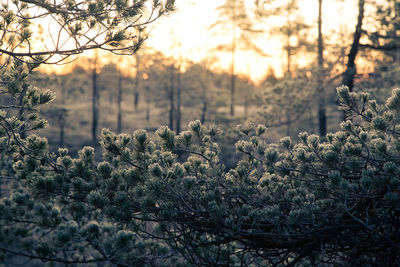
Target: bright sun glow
{"points": [[185, 33]]}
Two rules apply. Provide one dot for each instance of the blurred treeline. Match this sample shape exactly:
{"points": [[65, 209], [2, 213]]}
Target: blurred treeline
{"points": [[154, 91], [159, 94]]}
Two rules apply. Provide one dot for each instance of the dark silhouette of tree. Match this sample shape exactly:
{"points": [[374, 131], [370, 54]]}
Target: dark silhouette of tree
{"points": [[348, 75], [95, 99], [322, 120], [137, 82], [178, 99], [119, 102]]}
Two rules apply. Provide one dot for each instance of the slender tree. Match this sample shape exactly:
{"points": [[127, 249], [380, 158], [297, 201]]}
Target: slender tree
{"points": [[119, 102], [171, 95], [137, 82], [178, 99], [148, 104], [22, 108], [322, 120], [351, 70], [233, 54], [95, 99]]}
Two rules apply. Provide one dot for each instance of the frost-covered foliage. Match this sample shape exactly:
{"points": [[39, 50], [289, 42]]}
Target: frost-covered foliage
{"points": [[171, 201]]}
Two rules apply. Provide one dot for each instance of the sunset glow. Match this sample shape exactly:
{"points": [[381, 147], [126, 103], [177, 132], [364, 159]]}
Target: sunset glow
{"points": [[185, 33], [190, 23]]}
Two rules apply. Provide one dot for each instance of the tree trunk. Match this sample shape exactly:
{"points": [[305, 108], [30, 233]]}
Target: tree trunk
{"points": [[348, 75], [63, 114], [178, 101], [233, 78], [95, 102], [232, 105], [351, 70], [136, 89], [21, 111], [136, 99], [289, 57], [119, 100], [288, 45], [246, 105], [148, 104], [322, 120], [171, 99]]}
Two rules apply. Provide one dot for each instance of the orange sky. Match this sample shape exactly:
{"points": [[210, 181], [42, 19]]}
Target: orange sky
{"points": [[185, 33], [189, 26]]}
